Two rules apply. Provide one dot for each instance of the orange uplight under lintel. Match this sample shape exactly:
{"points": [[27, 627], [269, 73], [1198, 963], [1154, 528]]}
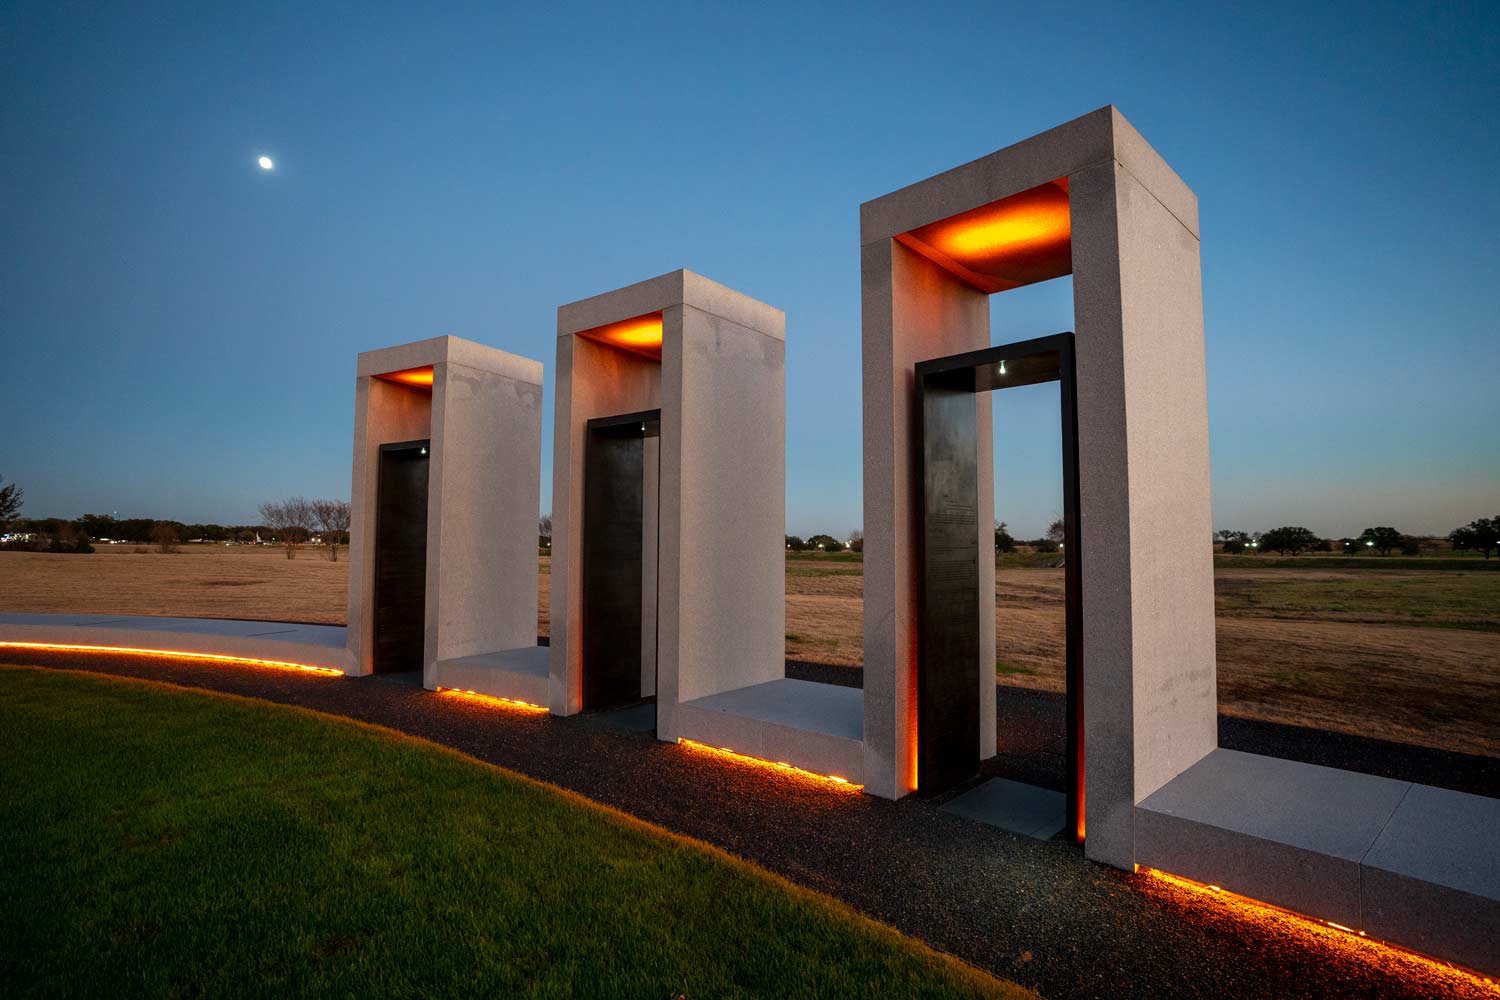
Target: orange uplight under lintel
{"points": [[177, 653], [494, 701], [640, 335], [1396, 960], [778, 765], [1015, 241], [419, 378]]}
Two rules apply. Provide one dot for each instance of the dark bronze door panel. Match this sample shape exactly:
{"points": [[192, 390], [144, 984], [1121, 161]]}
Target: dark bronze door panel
{"points": [[613, 558], [948, 650], [400, 556]]}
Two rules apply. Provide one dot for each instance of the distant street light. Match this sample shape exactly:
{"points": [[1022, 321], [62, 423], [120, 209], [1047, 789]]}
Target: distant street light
{"points": [[266, 163]]}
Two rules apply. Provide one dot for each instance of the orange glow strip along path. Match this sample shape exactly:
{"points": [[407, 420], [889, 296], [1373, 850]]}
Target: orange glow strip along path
{"points": [[778, 765], [178, 653], [492, 699], [1392, 957]]}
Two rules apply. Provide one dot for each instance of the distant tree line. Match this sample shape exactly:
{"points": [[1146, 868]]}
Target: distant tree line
{"points": [[1004, 542], [825, 543], [99, 527], [1481, 535], [288, 523]]}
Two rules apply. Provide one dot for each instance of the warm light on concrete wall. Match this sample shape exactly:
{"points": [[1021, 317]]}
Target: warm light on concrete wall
{"points": [[642, 334], [1025, 238], [418, 377]]}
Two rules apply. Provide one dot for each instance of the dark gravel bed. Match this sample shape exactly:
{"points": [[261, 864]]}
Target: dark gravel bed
{"points": [[1033, 912]]}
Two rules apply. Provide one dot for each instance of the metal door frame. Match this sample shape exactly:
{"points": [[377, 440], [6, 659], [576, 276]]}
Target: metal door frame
{"points": [[1028, 362]]}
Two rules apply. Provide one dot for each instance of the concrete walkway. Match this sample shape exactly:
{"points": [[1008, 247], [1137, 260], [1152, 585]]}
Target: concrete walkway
{"points": [[320, 647]]}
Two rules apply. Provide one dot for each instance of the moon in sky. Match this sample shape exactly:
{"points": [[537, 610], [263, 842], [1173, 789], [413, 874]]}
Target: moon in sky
{"points": [[266, 163]]}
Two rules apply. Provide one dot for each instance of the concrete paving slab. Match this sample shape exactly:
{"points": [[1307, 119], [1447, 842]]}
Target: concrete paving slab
{"points": [[1432, 879], [1334, 812], [817, 727], [11, 618], [519, 674], [1289, 833], [1034, 812], [1445, 837], [527, 660], [332, 636], [820, 708]]}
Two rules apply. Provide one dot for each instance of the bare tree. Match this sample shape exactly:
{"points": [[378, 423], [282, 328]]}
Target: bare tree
{"points": [[10, 502], [1057, 532], [164, 534], [544, 533], [332, 518], [289, 520]]}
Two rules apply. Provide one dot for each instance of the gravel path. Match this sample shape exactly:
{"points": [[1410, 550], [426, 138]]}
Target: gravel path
{"points": [[1029, 911]]}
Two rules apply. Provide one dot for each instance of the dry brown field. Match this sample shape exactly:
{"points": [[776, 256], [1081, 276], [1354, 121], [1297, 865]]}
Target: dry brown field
{"points": [[1403, 654]]}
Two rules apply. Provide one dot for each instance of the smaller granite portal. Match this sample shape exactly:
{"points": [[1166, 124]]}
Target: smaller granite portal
{"points": [[669, 498], [443, 541]]}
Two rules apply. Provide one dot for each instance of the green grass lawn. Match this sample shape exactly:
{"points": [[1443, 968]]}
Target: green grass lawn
{"points": [[156, 841]]}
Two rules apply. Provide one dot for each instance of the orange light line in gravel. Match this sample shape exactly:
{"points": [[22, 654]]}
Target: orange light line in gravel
{"points": [[181, 654], [496, 700], [1392, 957], [777, 765]]}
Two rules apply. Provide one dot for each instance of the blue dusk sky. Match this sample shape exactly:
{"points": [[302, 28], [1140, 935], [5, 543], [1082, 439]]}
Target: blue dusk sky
{"points": [[179, 327]]}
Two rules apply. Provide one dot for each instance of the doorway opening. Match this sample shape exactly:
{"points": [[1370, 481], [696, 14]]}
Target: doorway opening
{"points": [[949, 662], [401, 557], [621, 479]]}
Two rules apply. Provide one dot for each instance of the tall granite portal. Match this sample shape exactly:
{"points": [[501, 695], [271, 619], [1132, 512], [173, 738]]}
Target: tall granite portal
{"points": [[1089, 198]]}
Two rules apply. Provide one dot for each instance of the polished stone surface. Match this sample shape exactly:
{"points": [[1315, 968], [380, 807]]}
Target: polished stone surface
{"points": [[1034, 812]]}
